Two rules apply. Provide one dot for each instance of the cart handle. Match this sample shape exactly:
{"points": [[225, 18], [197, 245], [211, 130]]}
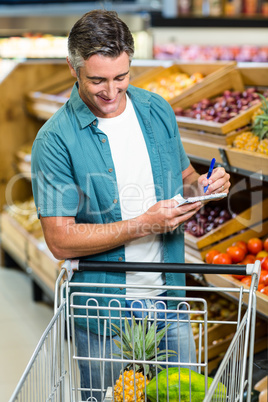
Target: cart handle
{"points": [[113, 266]]}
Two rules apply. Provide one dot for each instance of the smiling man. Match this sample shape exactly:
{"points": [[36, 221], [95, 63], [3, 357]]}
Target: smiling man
{"points": [[105, 169]]}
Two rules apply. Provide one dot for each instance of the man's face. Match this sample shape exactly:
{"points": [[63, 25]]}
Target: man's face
{"points": [[103, 83]]}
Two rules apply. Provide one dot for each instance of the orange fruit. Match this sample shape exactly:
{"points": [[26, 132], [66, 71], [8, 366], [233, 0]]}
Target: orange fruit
{"points": [[210, 255], [237, 253], [254, 245], [222, 258]]}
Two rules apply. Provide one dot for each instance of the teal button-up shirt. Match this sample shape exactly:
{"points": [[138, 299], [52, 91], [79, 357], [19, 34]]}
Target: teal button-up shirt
{"points": [[73, 174]]}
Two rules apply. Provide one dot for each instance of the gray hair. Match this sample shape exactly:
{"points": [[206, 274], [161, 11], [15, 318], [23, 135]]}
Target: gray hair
{"points": [[98, 32]]}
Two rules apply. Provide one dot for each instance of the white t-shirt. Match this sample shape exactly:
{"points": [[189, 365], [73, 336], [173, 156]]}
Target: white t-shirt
{"points": [[136, 191]]}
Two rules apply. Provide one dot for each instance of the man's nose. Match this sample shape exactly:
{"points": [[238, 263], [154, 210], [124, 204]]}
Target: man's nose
{"points": [[111, 89]]}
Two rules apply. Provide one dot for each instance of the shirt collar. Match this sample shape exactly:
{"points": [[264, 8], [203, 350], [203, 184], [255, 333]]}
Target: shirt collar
{"points": [[80, 109], [84, 114]]}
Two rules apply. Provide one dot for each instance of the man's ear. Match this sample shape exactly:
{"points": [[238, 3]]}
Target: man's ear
{"points": [[73, 72]]}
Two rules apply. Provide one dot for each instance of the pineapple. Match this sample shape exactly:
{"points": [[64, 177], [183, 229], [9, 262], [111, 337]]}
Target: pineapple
{"points": [[257, 139], [242, 139], [130, 385], [260, 127]]}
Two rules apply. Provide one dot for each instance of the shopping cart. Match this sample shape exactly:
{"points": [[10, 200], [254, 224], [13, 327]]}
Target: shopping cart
{"points": [[49, 376]]}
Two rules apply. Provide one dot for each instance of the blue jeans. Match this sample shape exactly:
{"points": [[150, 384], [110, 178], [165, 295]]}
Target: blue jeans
{"points": [[96, 376]]}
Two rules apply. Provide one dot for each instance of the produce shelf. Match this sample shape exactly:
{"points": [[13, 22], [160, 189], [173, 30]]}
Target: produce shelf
{"points": [[32, 255], [229, 281]]}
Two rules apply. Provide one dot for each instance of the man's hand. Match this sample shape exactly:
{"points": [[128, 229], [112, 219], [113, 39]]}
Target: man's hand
{"points": [[219, 181], [163, 217]]}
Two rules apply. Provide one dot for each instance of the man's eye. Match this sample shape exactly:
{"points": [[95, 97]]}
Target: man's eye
{"points": [[96, 82], [120, 78]]}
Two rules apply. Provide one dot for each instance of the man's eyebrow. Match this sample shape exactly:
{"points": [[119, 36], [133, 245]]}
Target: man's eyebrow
{"points": [[102, 78]]}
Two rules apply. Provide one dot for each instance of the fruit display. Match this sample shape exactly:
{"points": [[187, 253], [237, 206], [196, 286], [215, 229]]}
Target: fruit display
{"points": [[244, 253], [207, 219], [218, 309], [25, 214], [172, 85], [195, 52], [256, 139], [222, 108], [126, 389], [174, 384]]}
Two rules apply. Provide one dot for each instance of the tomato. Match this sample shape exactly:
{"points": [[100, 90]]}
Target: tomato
{"points": [[254, 245], [242, 244], [246, 280], [264, 278], [210, 255], [249, 259], [237, 253], [239, 277], [264, 290], [222, 258], [265, 244], [264, 264], [261, 286]]}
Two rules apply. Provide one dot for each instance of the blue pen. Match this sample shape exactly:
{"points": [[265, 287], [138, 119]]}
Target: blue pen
{"points": [[212, 163]]}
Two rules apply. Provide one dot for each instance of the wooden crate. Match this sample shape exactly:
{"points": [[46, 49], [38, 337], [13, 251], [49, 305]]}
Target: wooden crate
{"points": [[42, 262], [22, 245], [249, 217], [207, 139], [250, 161], [254, 75], [230, 80], [14, 238], [220, 337], [210, 71], [51, 94], [258, 230], [229, 282]]}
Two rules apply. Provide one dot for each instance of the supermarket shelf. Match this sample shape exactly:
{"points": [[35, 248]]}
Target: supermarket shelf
{"points": [[242, 21], [226, 281], [233, 160], [31, 255], [230, 282]]}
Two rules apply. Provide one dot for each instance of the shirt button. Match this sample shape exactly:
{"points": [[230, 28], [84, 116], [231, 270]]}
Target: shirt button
{"points": [[94, 123], [120, 259], [103, 140], [115, 201], [110, 170]]}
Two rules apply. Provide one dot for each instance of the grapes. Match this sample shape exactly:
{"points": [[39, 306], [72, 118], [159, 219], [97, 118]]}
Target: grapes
{"points": [[206, 220]]}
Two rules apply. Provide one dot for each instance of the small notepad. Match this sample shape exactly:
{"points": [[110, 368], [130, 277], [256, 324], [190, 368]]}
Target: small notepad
{"points": [[190, 200]]}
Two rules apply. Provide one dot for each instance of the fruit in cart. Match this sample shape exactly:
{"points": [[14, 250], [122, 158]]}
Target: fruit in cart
{"points": [[139, 342], [173, 384]]}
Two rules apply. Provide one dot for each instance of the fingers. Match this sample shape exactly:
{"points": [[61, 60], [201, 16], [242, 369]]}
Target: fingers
{"points": [[163, 217], [219, 182]]}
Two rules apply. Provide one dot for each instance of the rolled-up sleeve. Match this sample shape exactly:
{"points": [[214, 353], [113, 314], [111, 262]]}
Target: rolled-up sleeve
{"points": [[54, 189]]}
